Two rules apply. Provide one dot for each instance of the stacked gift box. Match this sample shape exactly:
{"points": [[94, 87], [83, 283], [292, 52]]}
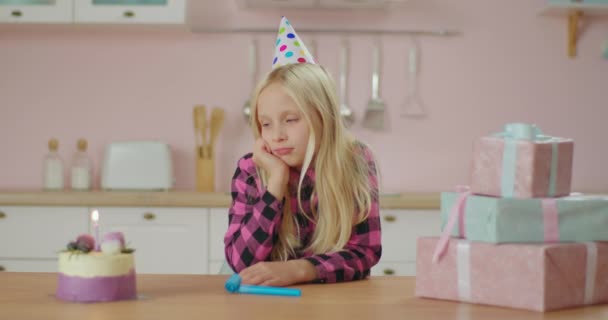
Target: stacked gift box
{"points": [[517, 237]]}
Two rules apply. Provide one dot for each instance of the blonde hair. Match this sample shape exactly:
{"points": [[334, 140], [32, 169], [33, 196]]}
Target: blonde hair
{"points": [[343, 200]]}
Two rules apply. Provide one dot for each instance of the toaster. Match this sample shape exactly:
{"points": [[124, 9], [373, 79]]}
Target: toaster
{"points": [[137, 165]]}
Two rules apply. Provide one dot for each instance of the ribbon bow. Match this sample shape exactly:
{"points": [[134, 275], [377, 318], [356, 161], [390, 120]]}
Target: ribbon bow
{"points": [[456, 214], [527, 132], [522, 131]]}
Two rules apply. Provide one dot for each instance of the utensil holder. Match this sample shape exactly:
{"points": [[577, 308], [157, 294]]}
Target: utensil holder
{"points": [[205, 174]]}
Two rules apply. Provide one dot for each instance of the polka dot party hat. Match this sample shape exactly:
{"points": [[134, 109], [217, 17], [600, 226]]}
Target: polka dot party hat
{"points": [[289, 48]]}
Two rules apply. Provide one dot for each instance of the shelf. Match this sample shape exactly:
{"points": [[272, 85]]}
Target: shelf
{"points": [[587, 9], [423, 32], [319, 4], [575, 12]]}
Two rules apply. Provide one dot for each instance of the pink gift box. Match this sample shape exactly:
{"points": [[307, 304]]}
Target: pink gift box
{"points": [[538, 277], [523, 169]]}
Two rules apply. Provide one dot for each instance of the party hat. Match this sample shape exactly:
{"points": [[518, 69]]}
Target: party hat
{"points": [[289, 48]]}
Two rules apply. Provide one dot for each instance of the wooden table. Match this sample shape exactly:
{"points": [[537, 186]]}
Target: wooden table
{"points": [[202, 297]]}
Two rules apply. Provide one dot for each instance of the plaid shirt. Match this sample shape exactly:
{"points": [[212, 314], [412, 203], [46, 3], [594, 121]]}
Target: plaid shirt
{"points": [[255, 217]]}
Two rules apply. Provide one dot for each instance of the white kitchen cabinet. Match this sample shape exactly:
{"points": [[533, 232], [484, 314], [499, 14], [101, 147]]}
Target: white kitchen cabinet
{"points": [[218, 224], [28, 265], [166, 240], [36, 11], [130, 11], [400, 231], [215, 267], [174, 240], [93, 11], [39, 232]]}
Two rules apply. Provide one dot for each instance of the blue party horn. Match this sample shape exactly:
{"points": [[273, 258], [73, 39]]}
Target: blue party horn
{"points": [[233, 284]]}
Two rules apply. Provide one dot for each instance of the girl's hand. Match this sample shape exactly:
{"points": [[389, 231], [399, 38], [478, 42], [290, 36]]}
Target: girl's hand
{"points": [[278, 273], [277, 169]]}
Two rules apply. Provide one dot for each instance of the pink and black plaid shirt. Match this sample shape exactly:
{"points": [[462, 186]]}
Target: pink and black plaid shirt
{"points": [[255, 217]]}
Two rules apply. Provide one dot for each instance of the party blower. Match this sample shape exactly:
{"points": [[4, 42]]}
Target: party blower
{"points": [[233, 285]]}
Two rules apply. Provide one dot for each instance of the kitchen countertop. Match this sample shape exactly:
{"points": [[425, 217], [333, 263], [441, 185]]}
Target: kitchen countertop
{"points": [[31, 296], [428, 201]]}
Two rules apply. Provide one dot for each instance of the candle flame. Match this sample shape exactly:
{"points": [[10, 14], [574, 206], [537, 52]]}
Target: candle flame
{"points": [[95, 215]]}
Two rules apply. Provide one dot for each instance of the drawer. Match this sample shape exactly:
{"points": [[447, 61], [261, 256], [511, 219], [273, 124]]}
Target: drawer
{"points": [[218, 224], [173, 12], [401, 229], [166, 240], [403, 268], [57, 11], [39, 232], [28, 265]]}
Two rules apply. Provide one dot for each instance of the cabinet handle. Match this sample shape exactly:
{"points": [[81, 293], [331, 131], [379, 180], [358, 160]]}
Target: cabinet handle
{"points": [[16, 13], [2, 215], [390, 218], [2, 268], [389, 272], [129, 14], [149, 216]]}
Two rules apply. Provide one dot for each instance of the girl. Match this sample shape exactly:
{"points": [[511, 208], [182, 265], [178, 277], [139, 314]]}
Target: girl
{"points": [[305, 202]]}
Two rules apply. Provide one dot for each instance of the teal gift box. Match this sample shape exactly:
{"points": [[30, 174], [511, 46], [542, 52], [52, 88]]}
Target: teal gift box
{"points": [[500, 220]]}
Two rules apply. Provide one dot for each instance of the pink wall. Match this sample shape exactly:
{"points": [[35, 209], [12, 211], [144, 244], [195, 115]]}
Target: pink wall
{"points": [[108, 83]]}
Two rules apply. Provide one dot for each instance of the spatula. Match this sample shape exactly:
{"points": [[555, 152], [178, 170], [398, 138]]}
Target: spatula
{"points": [[197, 136], [200, 123], [253, 63], [217, 120], [374, 113], [345, 111]]}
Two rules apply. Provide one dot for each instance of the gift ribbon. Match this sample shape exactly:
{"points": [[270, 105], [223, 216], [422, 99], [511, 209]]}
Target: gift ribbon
{"points": [[463, 265], [522, 131], [591, 271], [456, 213], [463, 268], [550, 220]]}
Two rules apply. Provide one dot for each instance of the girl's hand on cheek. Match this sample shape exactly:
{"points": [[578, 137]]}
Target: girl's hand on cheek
{"points": [[277, 169]]}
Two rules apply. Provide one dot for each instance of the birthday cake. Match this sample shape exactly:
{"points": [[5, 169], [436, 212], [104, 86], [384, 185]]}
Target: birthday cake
{"points": [[90, 273]]}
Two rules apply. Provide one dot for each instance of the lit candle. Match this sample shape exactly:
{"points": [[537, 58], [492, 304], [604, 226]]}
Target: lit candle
{"points": [[95, 219]]}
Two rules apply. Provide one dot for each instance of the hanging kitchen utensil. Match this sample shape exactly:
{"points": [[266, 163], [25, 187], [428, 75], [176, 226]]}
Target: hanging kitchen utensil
{"points": [[413, 106], [346, 112], [253, 64], [374, 113]]}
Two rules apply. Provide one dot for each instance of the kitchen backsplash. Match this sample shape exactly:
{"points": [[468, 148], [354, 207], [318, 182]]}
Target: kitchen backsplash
{"points": [[109, 85]]}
